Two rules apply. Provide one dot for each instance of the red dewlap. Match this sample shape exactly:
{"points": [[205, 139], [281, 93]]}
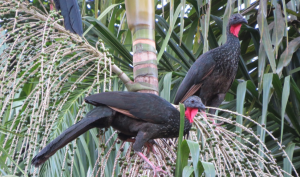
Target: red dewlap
{"points": [[190, 113], [235, 29]]}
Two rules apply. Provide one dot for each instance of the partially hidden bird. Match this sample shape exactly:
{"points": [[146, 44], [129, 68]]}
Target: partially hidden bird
{"points": [[144, 116], [71, 13], [212, 74]]}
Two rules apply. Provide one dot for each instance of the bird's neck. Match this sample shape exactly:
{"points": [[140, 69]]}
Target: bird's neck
{"points": [[232, 33], [187, 126], [230, 50], [232, 44], [235, 29]]}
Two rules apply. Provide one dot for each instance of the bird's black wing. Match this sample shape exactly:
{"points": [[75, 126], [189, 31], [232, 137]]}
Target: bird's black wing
{"points": [[144, 106], [71, 13], [201, 69]]}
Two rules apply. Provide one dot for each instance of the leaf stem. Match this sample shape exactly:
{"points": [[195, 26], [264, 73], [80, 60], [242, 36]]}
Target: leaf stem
{"points": [[178, 160]]}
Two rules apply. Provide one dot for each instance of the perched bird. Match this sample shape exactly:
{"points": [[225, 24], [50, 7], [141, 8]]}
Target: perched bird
{"points": [[71, 13], [144, 116], [212, 74]]}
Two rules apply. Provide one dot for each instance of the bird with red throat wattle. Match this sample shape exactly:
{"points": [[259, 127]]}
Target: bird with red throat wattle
{"points": [[144, 116], [212, 74]]}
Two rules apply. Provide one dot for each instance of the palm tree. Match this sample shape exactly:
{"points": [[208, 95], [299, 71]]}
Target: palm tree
{"points": [[140, 20], [46, 72]]}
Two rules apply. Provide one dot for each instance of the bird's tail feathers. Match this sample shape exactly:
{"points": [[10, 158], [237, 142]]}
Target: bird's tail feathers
{"points": [[98, 117]]}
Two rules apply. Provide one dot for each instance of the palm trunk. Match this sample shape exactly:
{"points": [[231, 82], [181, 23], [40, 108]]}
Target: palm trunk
{"points": [[140, 19]]}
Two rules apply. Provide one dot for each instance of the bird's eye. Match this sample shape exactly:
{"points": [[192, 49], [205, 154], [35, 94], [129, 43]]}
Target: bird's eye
{"points": [[192, 101]]}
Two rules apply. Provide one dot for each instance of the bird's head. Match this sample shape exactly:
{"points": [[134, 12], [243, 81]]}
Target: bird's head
{"points": [[192, 105], [235, 23]]}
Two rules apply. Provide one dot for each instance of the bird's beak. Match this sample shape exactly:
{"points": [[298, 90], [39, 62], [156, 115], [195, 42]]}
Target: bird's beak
{"points": [[244, 21], [202, 107], [202, 110]]}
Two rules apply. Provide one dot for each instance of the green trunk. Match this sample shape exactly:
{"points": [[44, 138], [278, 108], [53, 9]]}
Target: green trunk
{"points": [[140, 18]]}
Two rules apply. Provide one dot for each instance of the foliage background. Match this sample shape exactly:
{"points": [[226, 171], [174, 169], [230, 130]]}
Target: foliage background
{"points": [[267, 85]]}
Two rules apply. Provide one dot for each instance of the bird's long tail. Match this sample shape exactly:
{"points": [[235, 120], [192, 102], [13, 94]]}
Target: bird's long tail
{"points": [[98, 117], [71, 13]]}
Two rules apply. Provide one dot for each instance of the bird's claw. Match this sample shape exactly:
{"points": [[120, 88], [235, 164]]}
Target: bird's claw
{"points": [[154, 168], [158, 169], [218, 124]]}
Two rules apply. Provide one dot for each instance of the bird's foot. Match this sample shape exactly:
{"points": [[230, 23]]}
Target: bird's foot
{"points": [[212, 120], [156, 169], [218, 124]]}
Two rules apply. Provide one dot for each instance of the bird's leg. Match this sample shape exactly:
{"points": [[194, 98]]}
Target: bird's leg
{"points": [[150, 147], [51, 5], [154, 168], [149, 144], [211, 111], [140, 140]]}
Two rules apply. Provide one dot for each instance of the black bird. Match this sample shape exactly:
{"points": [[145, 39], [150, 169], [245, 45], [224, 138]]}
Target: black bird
{"points": [[212, 74], [71, 13], [144, 116]]}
